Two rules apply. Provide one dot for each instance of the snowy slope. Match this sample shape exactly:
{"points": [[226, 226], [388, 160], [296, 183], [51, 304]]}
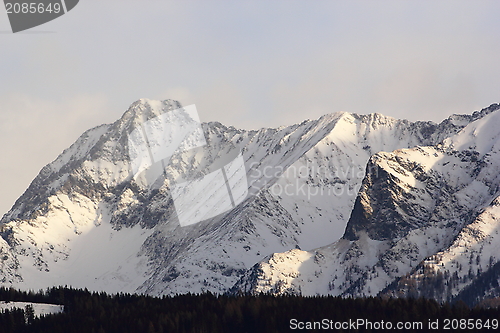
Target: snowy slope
{"points": [[461, 270], [420, 212], [85, 221], [40, 309]]}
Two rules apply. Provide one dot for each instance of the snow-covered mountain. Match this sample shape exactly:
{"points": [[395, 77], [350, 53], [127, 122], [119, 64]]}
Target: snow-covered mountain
{"points": [[86, 221], [424, 223]]}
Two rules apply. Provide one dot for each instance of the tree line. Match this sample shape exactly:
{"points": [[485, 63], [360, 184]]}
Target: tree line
{"points": [[86, 311]]}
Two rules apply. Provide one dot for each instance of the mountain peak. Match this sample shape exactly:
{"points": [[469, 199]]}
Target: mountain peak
{"points": [[86, 222], [145, 109]]}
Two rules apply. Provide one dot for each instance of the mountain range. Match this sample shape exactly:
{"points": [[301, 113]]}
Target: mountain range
{"points": [[348, 204]]}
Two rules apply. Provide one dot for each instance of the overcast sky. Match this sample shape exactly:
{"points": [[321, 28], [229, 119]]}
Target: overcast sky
{"points": [[250, 64]]}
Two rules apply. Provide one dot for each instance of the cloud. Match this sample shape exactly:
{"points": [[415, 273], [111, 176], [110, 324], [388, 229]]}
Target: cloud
{"points": [[34, 131], [249, 64]]}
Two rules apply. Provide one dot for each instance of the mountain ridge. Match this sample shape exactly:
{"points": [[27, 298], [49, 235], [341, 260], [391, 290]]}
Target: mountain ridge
{"points": [[396, 224], [88, 195]]}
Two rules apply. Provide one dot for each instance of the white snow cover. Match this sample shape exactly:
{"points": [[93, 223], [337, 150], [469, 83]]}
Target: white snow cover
{"points": [[449, 196], [86, 222], [76, 245], [482, 135], [40, 309]]}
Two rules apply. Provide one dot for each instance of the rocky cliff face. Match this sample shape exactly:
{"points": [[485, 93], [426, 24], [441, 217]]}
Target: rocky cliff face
{"points": [[85, 221]]}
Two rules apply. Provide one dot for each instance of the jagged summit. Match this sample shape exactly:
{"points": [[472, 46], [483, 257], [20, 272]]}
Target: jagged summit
{"points": [[145, 109], [86, 221]]}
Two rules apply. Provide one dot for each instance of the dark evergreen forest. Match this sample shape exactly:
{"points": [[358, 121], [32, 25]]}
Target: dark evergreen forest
{"points": [[100, 312]]}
